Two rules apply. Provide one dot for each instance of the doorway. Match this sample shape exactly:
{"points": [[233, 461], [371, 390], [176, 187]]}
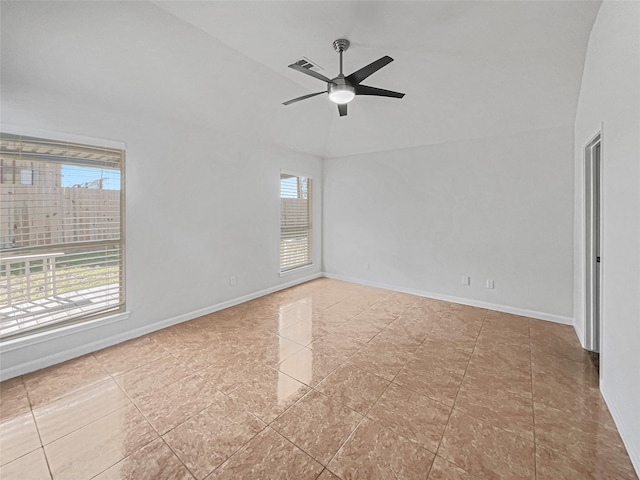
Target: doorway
{"points": [[593, 241]]}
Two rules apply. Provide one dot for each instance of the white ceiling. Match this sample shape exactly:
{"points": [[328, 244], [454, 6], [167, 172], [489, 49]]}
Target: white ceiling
{"points": [[469, 69]]}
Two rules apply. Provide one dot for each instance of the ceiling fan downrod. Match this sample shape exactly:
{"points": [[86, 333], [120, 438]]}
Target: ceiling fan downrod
{"points": [[341, 45]]}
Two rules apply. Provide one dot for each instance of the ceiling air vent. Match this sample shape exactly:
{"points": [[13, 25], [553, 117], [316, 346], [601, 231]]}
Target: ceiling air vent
{"points": [[304, 62]]}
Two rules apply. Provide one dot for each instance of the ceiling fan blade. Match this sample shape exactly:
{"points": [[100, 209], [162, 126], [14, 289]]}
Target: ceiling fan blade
{"points": [[342, 108], [359, 75], [312, 73], [378, 92], [303, 98]]}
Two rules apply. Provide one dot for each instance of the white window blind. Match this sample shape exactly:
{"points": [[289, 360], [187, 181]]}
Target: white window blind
{"points": [[61, 233], [295, 221]]}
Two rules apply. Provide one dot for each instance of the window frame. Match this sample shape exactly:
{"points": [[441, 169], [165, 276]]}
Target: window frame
{"points": [[92, 319], [310, 228]]}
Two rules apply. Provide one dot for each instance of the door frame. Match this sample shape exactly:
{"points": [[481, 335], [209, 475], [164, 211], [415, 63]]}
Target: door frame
{"points": [[593, 222]]}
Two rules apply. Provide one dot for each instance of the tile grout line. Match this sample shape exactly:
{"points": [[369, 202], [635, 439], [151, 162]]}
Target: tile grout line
{"points": [[448, 406], [533, 409], [35, 424], [324, 467], [46, 458], [364, 416], [469, 361], [517, 434], [133, 403], [299, 448], [241, 448], [342, 445], [459, 388], [176, 455], [387, 328], [161, 436]]}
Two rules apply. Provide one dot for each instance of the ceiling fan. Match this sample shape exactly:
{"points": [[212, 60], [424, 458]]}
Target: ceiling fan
{"points": [[343, 89]]}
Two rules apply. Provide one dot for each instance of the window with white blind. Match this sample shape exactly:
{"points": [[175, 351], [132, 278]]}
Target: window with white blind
{"points": [[295, 221], [61, 233]]}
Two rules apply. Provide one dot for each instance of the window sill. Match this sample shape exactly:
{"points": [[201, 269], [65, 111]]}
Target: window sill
{"points": [[296, 270], [39, 337]]}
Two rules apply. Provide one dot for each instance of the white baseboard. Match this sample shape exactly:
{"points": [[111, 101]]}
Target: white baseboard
{"points": [[578, 326], [22, 368], [64, 355], [73, 352], [626, 432], [463, 301]]}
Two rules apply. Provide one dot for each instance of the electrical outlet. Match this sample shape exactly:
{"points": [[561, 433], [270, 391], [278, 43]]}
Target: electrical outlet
{"points": [[491, 284], [233, 281], [466, 280]]}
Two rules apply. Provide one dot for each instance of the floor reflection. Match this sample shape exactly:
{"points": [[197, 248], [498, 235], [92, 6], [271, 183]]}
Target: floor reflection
{"points": [[296, 323]]}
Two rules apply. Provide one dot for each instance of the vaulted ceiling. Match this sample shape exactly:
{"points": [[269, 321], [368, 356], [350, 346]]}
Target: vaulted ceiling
{"points": [[469, 69]]}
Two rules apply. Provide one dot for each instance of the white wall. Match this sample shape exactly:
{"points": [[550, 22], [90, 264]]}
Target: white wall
{"points": [[201, 207], [497, 208], [610, 98]]}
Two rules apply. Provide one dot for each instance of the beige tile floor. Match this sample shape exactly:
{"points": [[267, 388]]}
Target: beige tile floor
{"points": [[326, 380]]}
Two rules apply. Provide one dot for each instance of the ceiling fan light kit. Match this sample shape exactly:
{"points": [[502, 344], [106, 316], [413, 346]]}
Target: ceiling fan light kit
{"points": [[343, 89], [341, 94]]}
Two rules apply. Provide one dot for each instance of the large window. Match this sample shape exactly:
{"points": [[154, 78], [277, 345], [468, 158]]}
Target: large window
{"points": [[61, 233], [295, 221]]}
